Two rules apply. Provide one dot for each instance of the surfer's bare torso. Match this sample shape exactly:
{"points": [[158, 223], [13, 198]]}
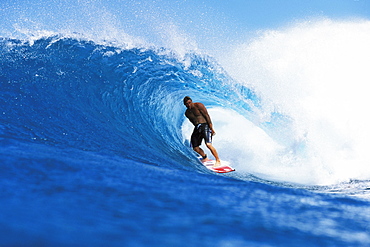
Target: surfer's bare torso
{"points": [[197, 114]]}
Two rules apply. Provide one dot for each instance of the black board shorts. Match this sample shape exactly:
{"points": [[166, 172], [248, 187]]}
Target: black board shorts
{"points": [[200, 132]]}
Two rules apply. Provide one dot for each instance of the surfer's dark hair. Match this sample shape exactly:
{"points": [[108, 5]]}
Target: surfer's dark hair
{"points": [[186, 99]]}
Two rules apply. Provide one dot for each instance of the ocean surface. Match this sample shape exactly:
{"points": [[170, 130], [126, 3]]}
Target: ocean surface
{"points": [[94, 144]]}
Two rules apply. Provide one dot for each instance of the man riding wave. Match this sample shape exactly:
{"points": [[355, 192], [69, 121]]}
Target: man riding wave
{"points": [[203, 128]]}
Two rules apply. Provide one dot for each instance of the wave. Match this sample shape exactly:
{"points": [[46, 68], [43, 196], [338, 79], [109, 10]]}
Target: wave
{"points": [[68, 92], [273, 118]]}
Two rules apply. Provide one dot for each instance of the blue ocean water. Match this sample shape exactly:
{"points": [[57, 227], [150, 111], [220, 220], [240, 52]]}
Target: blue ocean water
{"points": [[94, 152]]}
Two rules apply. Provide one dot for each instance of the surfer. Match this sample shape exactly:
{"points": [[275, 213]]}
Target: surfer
{"points": [[203, 128]]}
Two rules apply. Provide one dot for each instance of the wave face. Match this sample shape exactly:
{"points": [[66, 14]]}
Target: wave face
{"points": [[65, 92], [102, 127]]}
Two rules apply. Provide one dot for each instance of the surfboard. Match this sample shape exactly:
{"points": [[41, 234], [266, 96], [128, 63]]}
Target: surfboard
{"points": [[224, 168]]}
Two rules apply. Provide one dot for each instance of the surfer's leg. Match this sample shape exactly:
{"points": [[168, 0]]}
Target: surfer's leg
{"points": [[214, 153], [207, 135], [201, 153], [196, 140]]}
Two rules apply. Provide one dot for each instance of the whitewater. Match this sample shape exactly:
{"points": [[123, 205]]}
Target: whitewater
{"points": [[95, 145]]}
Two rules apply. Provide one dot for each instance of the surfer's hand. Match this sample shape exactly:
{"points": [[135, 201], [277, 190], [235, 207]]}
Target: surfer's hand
{"points": [[213, 132]]}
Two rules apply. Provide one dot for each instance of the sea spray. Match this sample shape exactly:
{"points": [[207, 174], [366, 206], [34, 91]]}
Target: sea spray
{"points": [[315, 73]]}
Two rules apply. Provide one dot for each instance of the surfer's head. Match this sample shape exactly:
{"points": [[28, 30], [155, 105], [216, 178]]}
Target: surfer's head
{"points": [[187, 101]]}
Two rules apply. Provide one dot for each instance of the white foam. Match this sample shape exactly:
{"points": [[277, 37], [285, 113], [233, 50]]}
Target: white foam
{"points": [[316, 73]]}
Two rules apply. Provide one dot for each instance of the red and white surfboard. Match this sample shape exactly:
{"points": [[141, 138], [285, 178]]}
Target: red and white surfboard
{"points": [[223, 168]]}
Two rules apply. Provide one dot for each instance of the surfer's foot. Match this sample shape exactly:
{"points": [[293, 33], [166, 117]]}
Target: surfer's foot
{"points": [[205, 159], [217, 164]]}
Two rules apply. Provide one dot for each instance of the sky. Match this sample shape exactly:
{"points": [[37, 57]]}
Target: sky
{"points": [[270, 13], [195, 23], [248, 13]]}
